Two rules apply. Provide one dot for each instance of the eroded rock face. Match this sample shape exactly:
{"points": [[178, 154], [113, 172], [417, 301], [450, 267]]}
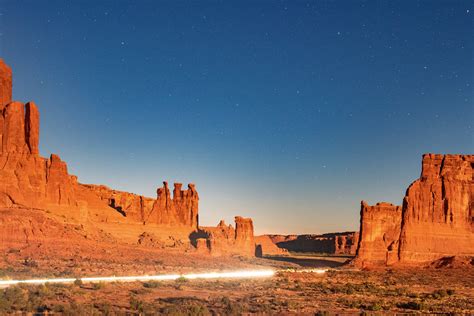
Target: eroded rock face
{"points": [[32, 127], [224, 239], [244, 238], [435, 221], [5, 84], [438, 210], [36, 182], [379, 233], [346, 244], [182, 209], [132, 206]]}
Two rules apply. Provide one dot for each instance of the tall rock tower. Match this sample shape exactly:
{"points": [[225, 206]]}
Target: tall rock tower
{"points": [[5, 84], [19, 123]]}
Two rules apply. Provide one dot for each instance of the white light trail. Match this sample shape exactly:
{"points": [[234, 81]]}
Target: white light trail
{"points": [[164, 277]]}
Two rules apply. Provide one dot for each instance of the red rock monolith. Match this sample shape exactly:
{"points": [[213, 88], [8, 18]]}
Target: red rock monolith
{"points": [[435, 221], [5, 84]]}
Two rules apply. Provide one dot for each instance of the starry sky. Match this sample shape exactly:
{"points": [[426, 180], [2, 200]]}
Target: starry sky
{"points": [[289, 112]]}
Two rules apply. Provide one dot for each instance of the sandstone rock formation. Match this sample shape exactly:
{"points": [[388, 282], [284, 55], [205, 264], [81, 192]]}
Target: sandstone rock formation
{"points": [[379, 232], [438, 210], [30, 182], [346, 243], [332, 243], [5, 84], [266, 247], [224, 239], [182, 209], [435, 221]]}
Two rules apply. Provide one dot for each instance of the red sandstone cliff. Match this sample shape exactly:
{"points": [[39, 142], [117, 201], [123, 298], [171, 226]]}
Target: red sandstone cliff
{"points": [[435, 221], [224, 239], [29, 182], [438, 210], [266, 247], [182, 209], [5, 84], [379, 232]]}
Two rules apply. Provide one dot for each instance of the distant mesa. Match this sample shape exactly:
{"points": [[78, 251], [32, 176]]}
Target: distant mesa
{"points": [[333, 243], [30, 182]]}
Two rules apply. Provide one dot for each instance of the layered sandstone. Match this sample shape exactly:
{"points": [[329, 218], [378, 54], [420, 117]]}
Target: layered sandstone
{"points": [[435, 221], [19, 128], [346, 243], [438, 210], [379, 232], [182, 209], [225, 239]]}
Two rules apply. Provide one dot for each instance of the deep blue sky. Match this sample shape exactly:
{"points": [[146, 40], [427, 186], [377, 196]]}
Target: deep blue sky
{"points": [[287, 112]]}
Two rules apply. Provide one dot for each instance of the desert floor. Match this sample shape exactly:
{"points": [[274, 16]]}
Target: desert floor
{"points": [[340, 290]]}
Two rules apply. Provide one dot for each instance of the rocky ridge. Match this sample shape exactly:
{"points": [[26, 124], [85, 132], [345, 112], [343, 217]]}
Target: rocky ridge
{"points": [[35, 184]]}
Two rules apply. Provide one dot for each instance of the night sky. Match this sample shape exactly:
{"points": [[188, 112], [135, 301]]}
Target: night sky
{"points": [[289, 112]]}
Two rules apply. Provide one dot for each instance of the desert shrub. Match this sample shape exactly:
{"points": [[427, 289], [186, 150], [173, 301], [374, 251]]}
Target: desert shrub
{"points": [[98, 286], [141, 307], [60, 308], [104, 308], [28, 262], [399, 291], [192, 306], [151, 284], [231, 308], [13, 299], [374, 307], [411, 305], [442, 293], [136, 304], [80, 310], [181, 280], [179, 310], [78, 282]]}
